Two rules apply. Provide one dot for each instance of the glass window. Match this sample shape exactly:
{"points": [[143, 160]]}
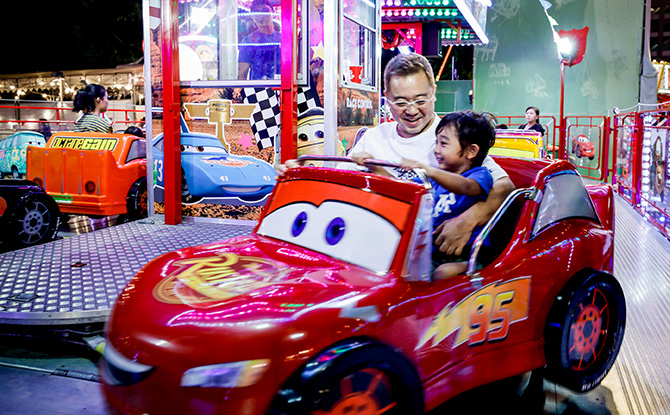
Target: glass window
{"points": [[358, 38], [363, 11], [138, 150], [564, 197], [159, 145], [233, 40]]}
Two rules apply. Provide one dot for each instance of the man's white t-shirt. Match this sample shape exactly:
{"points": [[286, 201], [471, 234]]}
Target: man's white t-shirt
{"points": [[384, 143]]}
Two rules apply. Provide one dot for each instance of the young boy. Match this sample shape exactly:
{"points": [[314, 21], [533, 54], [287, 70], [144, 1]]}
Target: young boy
{"points": [[463, 141]]}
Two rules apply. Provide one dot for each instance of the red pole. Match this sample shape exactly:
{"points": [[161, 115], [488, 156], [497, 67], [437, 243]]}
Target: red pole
{"points": [[636, 154], [605, 153], [171, 111], [561, 131], [289, 90]]}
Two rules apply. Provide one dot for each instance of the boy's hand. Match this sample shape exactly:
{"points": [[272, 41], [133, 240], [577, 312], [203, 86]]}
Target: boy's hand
{"points": [[409, 164], [359, 158], [282, 168]]}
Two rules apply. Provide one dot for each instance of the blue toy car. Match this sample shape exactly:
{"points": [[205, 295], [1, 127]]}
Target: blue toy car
{"points": [[13, 152], [209, 170]]}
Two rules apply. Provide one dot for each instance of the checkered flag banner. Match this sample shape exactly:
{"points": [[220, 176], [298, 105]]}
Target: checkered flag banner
{"points": [[308, 99], [265, 119]]}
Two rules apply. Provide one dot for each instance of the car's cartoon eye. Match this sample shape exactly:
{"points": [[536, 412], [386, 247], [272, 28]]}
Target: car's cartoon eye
{"points": [[341, 230], [335, 231], [319, 134], [212, 149], [201, 148], [302, 137], [183, 147], [299, 224]]}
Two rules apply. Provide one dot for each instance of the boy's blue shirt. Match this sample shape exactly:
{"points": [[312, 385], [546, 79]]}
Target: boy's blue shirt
{"points": [[449, 205]]}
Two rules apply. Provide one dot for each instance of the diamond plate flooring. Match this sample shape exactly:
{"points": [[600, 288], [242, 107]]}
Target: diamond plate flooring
{"points": [[77, 279]]}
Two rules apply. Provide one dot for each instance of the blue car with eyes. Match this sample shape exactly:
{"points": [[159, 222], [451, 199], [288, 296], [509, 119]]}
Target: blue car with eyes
{"points": [[208, 170]]}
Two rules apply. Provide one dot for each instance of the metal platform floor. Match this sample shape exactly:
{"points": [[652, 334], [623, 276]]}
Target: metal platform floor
{"points": [[77, 279], [638, 384]]}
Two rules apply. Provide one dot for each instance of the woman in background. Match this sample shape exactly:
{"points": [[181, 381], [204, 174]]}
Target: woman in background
{"points": [[92, 102], [533, 120]]}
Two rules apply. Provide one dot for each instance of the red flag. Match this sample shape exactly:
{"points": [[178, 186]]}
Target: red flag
{"points": [[578, 39]]}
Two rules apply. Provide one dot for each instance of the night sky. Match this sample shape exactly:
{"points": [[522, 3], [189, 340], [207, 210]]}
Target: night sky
{"points": [[47, 36]]}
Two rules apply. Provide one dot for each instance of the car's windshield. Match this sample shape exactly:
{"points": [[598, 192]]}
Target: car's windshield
{"points": [[354, 225]]}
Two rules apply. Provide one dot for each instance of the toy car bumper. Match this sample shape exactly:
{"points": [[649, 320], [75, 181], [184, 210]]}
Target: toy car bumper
{"points": [[588, 150], [144, 394], [89, 205]]}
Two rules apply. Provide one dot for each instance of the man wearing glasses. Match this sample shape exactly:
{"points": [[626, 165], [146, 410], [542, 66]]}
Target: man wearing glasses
{"points": [[410, 90]]}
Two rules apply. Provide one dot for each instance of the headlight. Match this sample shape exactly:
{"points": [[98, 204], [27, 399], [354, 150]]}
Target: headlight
{"points": [[121, 370], [226, 375]]}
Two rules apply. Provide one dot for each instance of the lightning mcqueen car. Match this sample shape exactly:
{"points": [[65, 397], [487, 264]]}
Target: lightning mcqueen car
{"points": [[328, 308]]}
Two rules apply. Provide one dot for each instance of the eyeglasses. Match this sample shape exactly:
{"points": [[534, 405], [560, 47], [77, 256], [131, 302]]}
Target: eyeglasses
{"points": [[419, 103]]}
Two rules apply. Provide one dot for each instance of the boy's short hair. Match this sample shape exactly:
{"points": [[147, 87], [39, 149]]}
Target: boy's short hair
{"points": [[406, 65], [137, 131], [472, 128]]}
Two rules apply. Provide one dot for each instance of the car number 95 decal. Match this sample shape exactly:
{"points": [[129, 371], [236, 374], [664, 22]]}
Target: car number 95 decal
{"points": [[484, 315]]}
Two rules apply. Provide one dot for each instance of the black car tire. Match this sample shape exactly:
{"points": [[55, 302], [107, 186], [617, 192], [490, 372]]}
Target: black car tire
{"points": [[186, 197], [579, 152], [584, 332], [137, 200], [34, 221], [15, 173], [373, 379]]}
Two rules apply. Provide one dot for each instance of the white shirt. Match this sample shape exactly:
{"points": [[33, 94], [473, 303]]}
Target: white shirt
{"points": [[384, 143]]}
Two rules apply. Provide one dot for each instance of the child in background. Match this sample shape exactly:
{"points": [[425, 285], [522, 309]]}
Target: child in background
{"points": [[136, 131], [463, 141], [92, 102]]}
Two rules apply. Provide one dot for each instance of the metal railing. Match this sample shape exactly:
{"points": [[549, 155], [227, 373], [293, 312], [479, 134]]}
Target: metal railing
{"points": [[642, 151], [15, 117]]}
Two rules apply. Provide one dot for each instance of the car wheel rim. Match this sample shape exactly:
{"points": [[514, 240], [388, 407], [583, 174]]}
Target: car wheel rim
{"points": [[35, 222], [144, 205], [361, 393], [589, 330]]}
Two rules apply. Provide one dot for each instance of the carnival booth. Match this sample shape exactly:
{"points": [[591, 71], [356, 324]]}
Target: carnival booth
{"points": [[237, 87]]}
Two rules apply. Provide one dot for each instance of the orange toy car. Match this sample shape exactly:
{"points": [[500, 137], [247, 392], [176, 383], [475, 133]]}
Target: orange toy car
{"points": [[92, 173]]}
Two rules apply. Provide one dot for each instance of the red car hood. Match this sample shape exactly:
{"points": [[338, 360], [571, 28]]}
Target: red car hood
{"points": [[247, 289]]}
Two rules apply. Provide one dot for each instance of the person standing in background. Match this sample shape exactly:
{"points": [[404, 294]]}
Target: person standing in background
{"points": [[260, 51], [44, 128], [533, 120], [92, 102]]}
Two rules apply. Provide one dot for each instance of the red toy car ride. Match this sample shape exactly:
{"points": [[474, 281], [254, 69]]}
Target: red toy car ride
{"points": [[328, 304], [582, 147]]}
